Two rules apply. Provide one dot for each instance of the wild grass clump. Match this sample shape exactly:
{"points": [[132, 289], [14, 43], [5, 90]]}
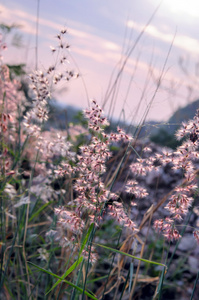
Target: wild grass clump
{"points": [[60, 219]]}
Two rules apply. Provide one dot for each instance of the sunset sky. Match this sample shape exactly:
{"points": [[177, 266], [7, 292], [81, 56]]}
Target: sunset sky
{"points": [[101, 32]]}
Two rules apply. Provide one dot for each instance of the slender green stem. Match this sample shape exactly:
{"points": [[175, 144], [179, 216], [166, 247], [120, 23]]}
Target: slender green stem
{"points": [[194, 286]]}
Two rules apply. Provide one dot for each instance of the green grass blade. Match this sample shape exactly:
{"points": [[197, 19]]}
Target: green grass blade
{"points": [[75, 263], [193, 291], [90, 234], [39, 210], [10, 253], [66, 281], [131, 276], [124, 285], [86, 238], [159, 289], [132, 256], [98, 279], [66, 273], [77, 281]]}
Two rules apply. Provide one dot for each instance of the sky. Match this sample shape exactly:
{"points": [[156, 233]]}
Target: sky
{"points": [[155, 43]]}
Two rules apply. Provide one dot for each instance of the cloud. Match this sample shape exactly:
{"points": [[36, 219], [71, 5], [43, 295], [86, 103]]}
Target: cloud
{"points": [[87, 44], [27, 20], [184, 42], [183, 8], [94, 40]]}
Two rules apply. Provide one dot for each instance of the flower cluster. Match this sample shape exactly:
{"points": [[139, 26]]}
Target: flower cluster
{"points": [[62, 49], [118, 213], [39, 112], [96, 120], [42, 86], [68, 219], [133, 188], [91, 193], [143, 165], [182, 159], [49, 145], [12, 105], [11, 99], [168, 229], [180, 201]]}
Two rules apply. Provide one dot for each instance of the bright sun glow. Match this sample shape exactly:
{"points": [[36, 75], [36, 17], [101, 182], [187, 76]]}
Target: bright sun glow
{"points": [[190, 7]]}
